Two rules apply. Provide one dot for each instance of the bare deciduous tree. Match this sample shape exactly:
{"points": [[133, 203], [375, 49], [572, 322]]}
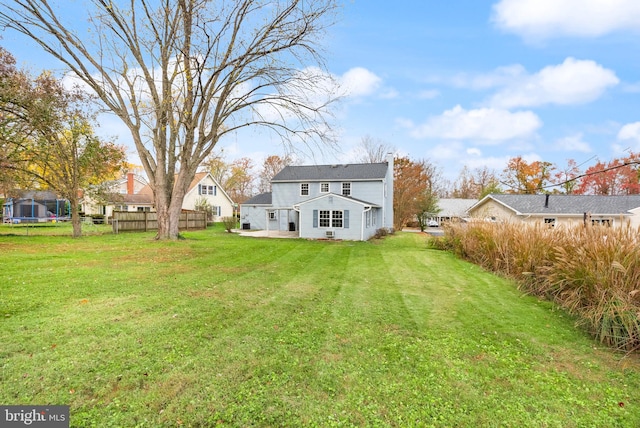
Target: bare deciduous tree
{"points": [[371, 150], [182, 74]]}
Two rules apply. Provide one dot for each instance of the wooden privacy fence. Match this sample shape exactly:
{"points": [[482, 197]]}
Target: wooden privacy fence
{"points": [[125, 221]]}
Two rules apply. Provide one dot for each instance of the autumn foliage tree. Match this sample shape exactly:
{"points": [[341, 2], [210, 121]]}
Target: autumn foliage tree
{"points": [[528, 178], [237, 178], [475, 184], [616, 177], [271, 166], [415, 190], [567, 178], [48, 136]]}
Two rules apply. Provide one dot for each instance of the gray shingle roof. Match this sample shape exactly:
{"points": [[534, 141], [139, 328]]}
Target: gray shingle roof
{"points": [[361, 171], [261, 199], [452, 207], [569, 204]]}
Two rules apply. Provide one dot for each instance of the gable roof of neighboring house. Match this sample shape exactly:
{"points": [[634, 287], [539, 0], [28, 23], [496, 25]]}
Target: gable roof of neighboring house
{"points": [[352, 172], [131, 199], [194, 183], [455, 207], [335, 195], [261, 199], [565, 204]]}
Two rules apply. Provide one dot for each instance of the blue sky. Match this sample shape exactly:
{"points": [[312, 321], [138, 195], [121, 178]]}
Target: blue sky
{"points": [[477, 82], [471, 82]]}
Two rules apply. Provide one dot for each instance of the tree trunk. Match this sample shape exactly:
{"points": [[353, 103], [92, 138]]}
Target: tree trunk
{"points": [[169, 208], [75, 218]]}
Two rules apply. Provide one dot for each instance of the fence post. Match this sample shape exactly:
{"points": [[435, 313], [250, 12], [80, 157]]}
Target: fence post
{"points": [[145, 221]]}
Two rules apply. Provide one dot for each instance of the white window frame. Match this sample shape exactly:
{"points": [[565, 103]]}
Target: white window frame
{"points": [[346, 188], [329, 219], [337, 219], [324, 187], [550, 221], [272, 215], [304, 189]]}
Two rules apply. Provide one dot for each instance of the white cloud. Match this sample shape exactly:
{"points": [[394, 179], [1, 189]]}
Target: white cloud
{"points": [[496, 163], [487, 125], [630, 132], [573, 143], [572, 82], [358, 82], [446, 151], [474, 151], [543, 19], [501, 76]]}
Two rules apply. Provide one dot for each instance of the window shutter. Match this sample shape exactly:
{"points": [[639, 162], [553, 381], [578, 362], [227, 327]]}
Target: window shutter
{"points": [[199, 189], [346, 219], [315, 218], [215, 190]]}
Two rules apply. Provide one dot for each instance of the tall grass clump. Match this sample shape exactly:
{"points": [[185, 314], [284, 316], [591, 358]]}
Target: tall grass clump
{"points": [[592, 272]]}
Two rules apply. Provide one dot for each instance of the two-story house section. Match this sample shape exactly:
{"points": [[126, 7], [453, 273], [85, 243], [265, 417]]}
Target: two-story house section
{"points": [[348, 201]]}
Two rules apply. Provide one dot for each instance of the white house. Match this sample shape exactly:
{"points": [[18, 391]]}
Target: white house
{"points": [[204, 190], [349, 201]]}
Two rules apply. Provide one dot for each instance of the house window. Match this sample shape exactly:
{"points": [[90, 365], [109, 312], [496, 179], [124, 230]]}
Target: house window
{"points": [[324, 187], [143, 209], [601, 222], [325, 218], [346, 189], [336, 218], [272, 215], [304, 189], [331, 218], [204, 189], [551, 222]]}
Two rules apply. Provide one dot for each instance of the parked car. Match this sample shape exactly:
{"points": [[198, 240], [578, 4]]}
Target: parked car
{"points": [[432, 223]]}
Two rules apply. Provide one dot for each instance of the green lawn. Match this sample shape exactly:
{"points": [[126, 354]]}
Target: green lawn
{"points": [[237, 331]]}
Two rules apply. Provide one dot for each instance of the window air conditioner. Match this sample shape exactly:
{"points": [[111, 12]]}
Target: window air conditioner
{"points": [[330, 234]]}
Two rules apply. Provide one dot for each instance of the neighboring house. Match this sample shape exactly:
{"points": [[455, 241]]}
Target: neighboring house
{"points": [[204, 190], [349, 201], [35, 207], [133, 193], [125, 194], [453, 209], [556, 210]]}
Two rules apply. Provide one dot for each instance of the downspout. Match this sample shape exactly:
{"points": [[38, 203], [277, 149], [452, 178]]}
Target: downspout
{"points": [[364, 212]]}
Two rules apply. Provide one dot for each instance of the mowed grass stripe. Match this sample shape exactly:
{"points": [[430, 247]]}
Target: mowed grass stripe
{"points": [[222, 329]]}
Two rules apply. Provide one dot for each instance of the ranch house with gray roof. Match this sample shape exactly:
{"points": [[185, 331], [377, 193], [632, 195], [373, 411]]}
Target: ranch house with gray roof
{"points": [[560, 209]]}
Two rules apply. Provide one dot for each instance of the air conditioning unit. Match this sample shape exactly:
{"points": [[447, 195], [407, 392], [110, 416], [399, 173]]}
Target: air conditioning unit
{"points": [[330, 234]]}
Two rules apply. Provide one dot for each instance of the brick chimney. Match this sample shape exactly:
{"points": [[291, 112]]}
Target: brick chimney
{"points": [[130, 188]]}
